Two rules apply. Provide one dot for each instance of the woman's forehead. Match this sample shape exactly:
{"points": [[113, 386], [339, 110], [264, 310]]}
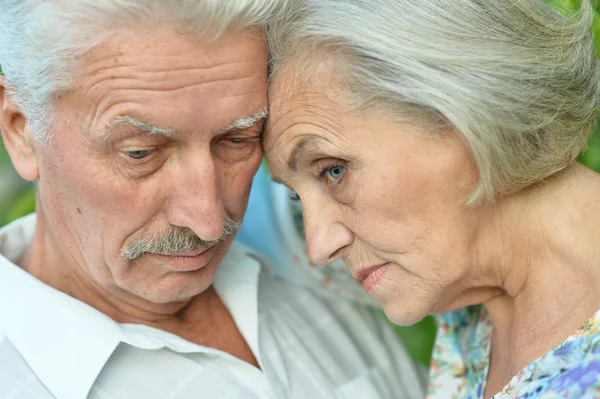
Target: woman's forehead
{"points": [[304, 113]]}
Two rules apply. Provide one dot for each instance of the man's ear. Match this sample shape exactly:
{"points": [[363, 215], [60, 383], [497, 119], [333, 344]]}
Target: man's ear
{"points": [[15, 132]]}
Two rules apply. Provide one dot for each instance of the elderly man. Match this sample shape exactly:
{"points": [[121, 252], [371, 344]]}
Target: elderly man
{"points": [[140, 121]]}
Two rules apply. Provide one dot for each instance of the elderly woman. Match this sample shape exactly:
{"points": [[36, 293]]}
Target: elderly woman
{"points": [[432, 145]]}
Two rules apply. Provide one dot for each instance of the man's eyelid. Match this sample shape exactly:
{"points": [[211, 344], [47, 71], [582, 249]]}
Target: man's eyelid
{"points": [[138, 141], [147, 153], [151, 151], [137, 147], [254, 131]]}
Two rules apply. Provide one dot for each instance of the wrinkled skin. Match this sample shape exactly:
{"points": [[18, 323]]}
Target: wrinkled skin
{"points": [[102, 185], [377, 191]]}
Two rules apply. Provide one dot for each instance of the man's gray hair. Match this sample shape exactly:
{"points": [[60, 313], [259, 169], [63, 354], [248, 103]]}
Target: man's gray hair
{"points": [[516, 79], [41, 40], [176, 240]]}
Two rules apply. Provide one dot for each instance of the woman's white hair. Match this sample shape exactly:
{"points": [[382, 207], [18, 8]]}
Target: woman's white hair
{"points": [[516, 79], [41, 40]]}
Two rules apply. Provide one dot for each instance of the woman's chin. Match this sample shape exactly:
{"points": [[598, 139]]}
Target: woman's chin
{"points": [[402, 315]]}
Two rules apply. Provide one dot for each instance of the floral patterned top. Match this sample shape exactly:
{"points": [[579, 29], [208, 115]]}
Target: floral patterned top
{"points": [[459, 365]]}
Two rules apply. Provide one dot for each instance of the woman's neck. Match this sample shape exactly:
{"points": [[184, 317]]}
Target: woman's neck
{"points": [[543, 247]]}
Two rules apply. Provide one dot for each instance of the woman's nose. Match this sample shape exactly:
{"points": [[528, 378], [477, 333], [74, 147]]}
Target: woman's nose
{"points": [[327, 239]]}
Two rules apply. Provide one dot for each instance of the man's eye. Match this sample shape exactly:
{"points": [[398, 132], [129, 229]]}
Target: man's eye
{"points": [[247, 140], [138, 154], [238, 140], [236, 149]]}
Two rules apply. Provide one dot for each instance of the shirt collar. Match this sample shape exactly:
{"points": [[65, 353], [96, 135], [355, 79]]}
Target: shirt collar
{"points": [[52, 330], [236, 282], [64, 341]]}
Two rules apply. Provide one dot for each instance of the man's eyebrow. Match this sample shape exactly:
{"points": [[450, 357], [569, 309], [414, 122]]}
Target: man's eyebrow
{"points": [[148, 128], [245, 122]]}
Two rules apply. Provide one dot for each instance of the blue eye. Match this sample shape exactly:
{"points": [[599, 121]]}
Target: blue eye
{"points": [[140, 154], [294, 196], [334, 172]]}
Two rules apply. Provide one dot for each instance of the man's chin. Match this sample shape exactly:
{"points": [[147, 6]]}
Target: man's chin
{"points": [[176, 287], [179, 294]]}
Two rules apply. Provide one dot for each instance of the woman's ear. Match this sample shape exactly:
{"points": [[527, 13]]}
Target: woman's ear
{"points": [[16, 134]]}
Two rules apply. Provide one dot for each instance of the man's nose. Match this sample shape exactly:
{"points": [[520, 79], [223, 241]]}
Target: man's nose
{"points": [[195, 199], [327, 238]]}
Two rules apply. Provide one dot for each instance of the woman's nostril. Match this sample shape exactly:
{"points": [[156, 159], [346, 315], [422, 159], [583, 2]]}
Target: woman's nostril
{"points": [[338, 254]]}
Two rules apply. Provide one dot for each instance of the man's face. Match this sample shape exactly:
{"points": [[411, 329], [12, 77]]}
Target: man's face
{"points": [[146, 148]]}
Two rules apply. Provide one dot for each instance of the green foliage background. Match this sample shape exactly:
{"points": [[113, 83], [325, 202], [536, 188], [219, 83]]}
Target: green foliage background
{"points": [[17, 198]]}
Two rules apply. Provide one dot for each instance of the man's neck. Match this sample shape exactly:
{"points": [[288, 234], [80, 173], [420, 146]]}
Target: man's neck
{"points": [[203, 319]]}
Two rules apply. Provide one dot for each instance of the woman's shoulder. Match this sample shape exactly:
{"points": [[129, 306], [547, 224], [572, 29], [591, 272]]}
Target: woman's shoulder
{"points": [[571, 370], [460, 360]]}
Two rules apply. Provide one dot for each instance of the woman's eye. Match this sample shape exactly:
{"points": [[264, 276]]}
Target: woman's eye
{"points": [[294, 196], [138, 154], [334, 172]]}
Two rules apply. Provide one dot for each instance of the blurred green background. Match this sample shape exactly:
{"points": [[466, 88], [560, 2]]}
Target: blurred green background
{"points": [[17, 198]]}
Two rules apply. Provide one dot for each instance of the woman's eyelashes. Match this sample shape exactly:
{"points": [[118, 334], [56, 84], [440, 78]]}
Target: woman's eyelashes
{"points": [[333, 173]]}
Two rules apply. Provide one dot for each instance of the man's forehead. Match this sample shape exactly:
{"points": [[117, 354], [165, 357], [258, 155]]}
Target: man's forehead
{"points": [[177, 87], [163, 45]]}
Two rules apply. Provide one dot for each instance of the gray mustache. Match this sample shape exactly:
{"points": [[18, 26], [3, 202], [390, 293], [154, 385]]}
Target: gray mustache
{"points": [[175, 240]]}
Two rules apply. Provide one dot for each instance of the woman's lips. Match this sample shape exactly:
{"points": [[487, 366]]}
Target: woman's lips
{"points": [[371, 275]]}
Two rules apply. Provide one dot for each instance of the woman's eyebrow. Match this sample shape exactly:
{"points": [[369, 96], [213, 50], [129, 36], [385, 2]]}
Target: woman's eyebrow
{"points": [[276, 180], [297, 151]]}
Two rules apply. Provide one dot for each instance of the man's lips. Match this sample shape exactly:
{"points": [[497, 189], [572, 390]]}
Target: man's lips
{"points": [[371, 275], [190, 254], [187, 261]]}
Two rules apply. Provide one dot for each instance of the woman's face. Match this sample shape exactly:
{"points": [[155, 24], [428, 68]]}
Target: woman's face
{"points": [[386, 197]]}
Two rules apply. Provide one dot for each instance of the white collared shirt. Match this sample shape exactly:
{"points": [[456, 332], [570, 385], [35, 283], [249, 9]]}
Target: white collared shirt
{"points": [[308, 347]]}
